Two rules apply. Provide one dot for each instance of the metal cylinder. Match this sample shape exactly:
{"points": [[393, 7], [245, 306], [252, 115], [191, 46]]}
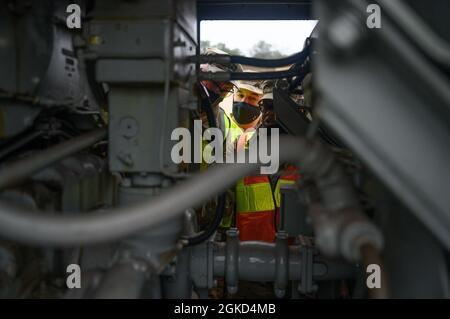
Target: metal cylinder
{"points": [[256, 262], [232, 260], [124, 281], [281, 264], [158, 239]]}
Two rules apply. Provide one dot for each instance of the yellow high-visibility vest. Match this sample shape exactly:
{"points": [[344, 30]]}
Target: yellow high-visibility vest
{"points": [[231, 131], [257, 204]]}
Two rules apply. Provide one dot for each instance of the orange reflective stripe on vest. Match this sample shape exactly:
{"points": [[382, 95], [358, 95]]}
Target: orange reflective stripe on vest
{"points": [[290, 177], [255, 207]]}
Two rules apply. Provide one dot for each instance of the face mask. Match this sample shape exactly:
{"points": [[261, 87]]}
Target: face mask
{"points": [[244, 113]]}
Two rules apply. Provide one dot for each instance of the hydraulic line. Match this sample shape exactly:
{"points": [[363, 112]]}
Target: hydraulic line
{"points": [[233, 76], [208, 109], [295, 58], [207, 233], [22, 141], [26, 167], [418, 31]]}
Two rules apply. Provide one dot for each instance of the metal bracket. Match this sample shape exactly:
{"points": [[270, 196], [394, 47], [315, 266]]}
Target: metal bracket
{"points": [[306, 284], [232, 261], [281, 264]]}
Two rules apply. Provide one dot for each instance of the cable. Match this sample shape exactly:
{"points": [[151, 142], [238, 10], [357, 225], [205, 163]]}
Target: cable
{"points": [[232, 76], [268, 63], [295, 58], [55, 230], [209, 231], [162, 166], [299, 79], [35, 100], [209, 108], [264, 75]]}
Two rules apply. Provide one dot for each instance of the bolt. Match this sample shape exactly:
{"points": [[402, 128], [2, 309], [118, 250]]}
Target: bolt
{"points": [[125, 158], [128, 127]]}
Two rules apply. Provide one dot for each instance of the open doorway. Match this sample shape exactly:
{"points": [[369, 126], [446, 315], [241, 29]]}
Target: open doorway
{"points": [[265, 39]]}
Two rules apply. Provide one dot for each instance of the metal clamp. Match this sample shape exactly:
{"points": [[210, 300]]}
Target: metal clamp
{"points": [[232, 260], [281, 264]]}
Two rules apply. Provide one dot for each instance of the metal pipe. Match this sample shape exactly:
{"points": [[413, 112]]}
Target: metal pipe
{"points": [[18, 171], [55, 230], [19, 143], [257, 263], [298, 57]]}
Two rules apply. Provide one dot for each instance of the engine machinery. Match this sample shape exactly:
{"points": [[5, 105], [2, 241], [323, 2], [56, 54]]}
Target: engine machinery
{"points": [[86, 178]]}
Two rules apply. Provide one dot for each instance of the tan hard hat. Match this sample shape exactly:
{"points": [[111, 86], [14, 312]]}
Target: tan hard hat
{"points": [[252, 86]]}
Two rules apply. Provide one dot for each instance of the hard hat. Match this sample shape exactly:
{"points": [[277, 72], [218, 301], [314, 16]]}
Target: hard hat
{"points": [[217, 67], [252, 86]]}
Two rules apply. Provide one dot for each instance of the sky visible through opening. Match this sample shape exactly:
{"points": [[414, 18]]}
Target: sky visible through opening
{"points": [[287, 37]]}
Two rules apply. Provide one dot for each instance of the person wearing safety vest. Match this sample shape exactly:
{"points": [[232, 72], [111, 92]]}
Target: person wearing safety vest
{"points": [[258, 197]]}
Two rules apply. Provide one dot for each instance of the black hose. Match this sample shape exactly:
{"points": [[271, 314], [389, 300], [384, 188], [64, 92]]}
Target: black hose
{"points": [[208, 109], [207, 233], [297, 58], [272, 63]]}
